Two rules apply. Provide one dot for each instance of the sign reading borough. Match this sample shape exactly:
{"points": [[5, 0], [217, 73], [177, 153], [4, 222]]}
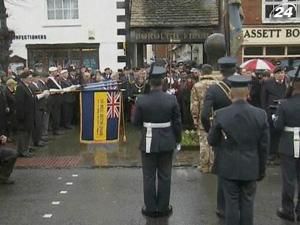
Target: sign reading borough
{"points": [[169, 35], [271, 36]]}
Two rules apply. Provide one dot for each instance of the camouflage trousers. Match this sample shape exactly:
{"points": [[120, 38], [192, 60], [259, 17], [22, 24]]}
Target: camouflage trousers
{"points": [[206, 154]]}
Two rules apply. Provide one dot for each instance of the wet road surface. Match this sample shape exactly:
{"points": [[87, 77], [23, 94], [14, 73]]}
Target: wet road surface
{"points": [[113, 196]]}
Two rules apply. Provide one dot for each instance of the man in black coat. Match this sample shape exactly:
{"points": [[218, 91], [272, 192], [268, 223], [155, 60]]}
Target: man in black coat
{"points": [[42, 84], [217, 96], [25, 112], [11, 104], [40, 108], [159, 116], [8, 159], [68, 100], [55, 100], [287, 122], [242, 155], [272, 90]]}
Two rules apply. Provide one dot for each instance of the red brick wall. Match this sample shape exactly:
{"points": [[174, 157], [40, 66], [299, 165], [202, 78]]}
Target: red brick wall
{"points": [[253, 12]]}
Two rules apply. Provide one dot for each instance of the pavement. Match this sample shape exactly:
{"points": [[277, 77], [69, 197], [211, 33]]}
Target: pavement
{"points": [[65, 151], [68, 183], [114, 196]]}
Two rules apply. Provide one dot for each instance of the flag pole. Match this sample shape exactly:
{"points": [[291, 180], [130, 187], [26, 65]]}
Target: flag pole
{"points": [[123, 117]]}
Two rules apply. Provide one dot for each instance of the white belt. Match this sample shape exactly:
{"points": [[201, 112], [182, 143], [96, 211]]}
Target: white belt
{"points": [[149, 127], [296, 131]]}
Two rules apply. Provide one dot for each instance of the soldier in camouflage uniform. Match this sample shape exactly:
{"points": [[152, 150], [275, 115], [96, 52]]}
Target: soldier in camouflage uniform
{"points": [[197, 98]]}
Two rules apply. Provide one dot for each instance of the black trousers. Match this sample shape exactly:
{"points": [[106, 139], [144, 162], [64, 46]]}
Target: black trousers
{"points": [[37, 131], [67, 113], [23, 141], [8, 159], [157, 166], [220, 196], [239, 198], [55, 112], [290, 172], [274, 141]]}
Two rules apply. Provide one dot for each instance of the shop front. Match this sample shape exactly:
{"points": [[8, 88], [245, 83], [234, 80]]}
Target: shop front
{"points": [[64, 55], [277, 44]]}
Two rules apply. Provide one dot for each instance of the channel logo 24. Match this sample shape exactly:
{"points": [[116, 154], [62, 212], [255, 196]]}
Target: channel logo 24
{"points": [[285, 10]]}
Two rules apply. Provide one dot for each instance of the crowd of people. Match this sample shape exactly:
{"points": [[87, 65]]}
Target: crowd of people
{"points": [[34, 103]]}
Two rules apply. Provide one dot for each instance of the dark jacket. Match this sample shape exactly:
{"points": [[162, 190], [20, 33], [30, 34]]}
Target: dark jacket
{"points": [[271, 90], [159, 107], [3, 110], [215, 99], [240, 135], [44, 101], [67, 97], [288, 115], [54, 99], [25, 107]]}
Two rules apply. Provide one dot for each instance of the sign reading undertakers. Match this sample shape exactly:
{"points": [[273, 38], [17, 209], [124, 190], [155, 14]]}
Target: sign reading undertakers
{"points": [[189, 35]]}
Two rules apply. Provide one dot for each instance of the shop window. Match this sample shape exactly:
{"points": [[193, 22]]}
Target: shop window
{"points": [[62, 9], [294, 50], [281, 11], [253, 51], [275, 50]]}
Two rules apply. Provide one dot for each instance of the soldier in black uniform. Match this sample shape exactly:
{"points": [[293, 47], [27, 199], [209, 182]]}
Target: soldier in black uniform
{"points": [[242, 156], [159, 115], [273, 89], [287, 122], [217, 97]]}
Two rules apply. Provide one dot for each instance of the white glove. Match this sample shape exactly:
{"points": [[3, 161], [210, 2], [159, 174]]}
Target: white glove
{"points": [[274, 117], [178, 147], [46, 93]]}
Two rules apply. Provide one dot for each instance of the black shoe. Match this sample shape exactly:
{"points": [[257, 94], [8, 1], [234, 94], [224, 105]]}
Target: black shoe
{"points": [[68, 127], [6, 182], [40, 144], [168, 212], [148, 213], [57, 133], [285, 215], [27, 155], [44, 140], [220, 213]]}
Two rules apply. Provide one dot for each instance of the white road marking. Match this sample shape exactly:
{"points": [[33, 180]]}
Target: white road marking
{"points": [[55, 203], [47, 216], [75, 175], [69, 183], [63, 192]]}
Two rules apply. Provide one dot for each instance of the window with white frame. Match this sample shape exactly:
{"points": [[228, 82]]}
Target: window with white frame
{"points": [[62, 9], [281, 11]]}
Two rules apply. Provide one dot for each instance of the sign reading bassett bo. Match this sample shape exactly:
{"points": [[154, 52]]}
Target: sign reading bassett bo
{"points": [[286, 35]]}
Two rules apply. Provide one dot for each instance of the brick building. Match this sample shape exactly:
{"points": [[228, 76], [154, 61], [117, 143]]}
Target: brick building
{"points": [[272, 30]]}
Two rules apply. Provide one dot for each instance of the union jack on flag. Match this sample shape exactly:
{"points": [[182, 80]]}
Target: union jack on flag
{"points": [[113, 105]]}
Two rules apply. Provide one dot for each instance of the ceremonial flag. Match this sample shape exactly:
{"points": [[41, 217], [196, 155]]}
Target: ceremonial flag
{"points": [[100, 116]]}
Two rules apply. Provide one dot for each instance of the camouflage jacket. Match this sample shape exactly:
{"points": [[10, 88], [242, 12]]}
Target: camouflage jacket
{"points": [[198, 95]]}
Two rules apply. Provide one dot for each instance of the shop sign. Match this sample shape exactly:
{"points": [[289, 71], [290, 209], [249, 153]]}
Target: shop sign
{"points": [[267, 36], [30, 37], [169, 35]]}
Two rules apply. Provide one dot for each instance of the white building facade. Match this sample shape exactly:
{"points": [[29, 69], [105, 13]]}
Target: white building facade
{"points": [[64, 32]]}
